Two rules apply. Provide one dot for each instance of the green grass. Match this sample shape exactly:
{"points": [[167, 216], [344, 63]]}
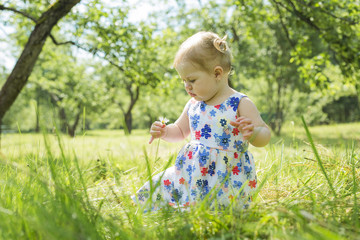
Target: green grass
{"points": [[56, 187]]}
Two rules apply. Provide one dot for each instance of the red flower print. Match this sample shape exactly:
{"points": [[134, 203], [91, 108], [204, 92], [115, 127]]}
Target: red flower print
{"points": [[187, 204], [231, 197], [252, 184], [217, 106], [235, 131], [236, 170], [190, 155], [181, 180], [197, 135], [167, 182], [204, 171], [236, 155]]}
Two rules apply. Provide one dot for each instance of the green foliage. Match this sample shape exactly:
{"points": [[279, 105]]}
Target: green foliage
{"points": [[289, 56]]}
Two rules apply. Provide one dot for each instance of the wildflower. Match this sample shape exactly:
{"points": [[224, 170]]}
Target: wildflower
{"points": [[163, 120]]}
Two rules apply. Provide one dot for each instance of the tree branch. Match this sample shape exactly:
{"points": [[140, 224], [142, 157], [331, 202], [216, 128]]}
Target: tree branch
{"points": [[298, 14], [2, 7], [350, 21], [284, 27]]}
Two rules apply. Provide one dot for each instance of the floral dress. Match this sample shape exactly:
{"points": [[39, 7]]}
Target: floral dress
{"points": [[215, 164]]}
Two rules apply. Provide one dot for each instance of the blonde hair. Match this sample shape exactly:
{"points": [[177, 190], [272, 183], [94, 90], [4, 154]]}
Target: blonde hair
{"points": [[205, 49]]}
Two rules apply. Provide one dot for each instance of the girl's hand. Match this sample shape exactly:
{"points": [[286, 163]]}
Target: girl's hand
{"points": [[245, 126], [157, 130]]}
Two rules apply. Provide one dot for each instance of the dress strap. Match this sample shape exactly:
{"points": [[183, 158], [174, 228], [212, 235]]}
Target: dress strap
{"points": [[240, 96]]}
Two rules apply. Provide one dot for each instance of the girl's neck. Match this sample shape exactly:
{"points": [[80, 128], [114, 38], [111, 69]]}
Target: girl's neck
{"points": [[221, 95]]}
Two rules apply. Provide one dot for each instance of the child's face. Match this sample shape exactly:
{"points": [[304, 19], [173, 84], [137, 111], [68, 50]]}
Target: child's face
{"points": [[199, 84]]}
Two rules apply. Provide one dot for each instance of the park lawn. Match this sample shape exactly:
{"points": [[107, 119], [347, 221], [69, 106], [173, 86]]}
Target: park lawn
{"points": [[56, 187]]}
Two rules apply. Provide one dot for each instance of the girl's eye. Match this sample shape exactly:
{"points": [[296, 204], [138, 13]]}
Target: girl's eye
{"points": [[190, 81]]}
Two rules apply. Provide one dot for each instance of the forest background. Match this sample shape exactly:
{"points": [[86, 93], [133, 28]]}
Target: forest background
{"points": [[107, 65]]}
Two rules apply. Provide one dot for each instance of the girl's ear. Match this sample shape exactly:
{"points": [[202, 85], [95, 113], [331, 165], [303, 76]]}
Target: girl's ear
{"points": [[218, 71]]}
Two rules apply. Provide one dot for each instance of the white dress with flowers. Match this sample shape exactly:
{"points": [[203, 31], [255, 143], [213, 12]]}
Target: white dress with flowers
{"points": [[215, 164]]}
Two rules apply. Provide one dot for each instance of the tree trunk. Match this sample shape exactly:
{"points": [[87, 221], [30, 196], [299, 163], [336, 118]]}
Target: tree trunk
{"points": [[24, 66], [37, 126], [63, 120], [134, 96], [72, 128], [128, 122]]}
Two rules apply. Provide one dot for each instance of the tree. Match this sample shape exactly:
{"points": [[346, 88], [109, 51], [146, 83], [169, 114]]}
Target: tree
{"points": [[24, 66]]}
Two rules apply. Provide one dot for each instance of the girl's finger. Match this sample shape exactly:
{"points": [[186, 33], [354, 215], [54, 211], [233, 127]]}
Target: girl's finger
{"points": [[248, 127], [235, 124], [245, 121], [151, 139]]}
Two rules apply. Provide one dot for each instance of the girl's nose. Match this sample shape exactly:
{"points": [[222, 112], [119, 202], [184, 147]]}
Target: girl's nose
{"points": [[187, 85]]}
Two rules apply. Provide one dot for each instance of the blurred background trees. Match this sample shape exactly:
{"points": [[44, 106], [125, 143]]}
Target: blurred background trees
{"points": [[104, 68]]}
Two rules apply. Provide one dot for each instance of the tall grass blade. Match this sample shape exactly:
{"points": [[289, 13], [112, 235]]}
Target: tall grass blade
{"points": [[317, 156], [352, 162]]}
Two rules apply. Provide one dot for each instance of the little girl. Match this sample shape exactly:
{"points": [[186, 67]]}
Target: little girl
{"points": [[221, 122]]}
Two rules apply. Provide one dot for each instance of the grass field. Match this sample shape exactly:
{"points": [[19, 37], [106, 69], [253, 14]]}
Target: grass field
{"points": [[56, 187]]}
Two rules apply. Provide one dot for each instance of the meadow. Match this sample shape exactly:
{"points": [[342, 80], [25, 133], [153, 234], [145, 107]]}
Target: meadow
{"points": [[56, 187]]}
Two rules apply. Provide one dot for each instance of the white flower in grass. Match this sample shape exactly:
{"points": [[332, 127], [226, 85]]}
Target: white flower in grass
{"points": [[163, 120]]}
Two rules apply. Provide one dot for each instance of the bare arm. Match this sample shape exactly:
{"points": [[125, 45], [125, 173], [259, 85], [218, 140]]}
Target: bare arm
{"points": [[251, 125]]}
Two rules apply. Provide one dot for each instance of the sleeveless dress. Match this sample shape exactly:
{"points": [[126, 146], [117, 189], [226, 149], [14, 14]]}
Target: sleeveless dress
{"points": [[215, 164]]}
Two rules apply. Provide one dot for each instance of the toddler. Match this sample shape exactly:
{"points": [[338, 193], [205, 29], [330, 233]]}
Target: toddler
{"points": [[221, 122]]}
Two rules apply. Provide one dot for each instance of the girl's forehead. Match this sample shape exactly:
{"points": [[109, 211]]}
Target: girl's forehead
{"points": [[187, 70]]}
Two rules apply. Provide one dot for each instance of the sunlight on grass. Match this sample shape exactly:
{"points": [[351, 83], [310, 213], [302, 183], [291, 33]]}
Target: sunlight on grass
{"points": [[75, 188]]}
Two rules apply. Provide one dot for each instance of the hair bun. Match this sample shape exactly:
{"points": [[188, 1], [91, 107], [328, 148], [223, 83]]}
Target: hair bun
{"points": [[220, 44]]}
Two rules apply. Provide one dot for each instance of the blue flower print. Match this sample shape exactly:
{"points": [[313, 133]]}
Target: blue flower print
{"points": [[223, 122], [189, 170], [223, 140], [247, 171], [220, 193], [211, 170], [222, 176], [233, 102], [247, 158], [176, 195], [204, 183], [226, 160], [158, 197], [237, 184], [204, 191], [205, 131], [212, 113], [239, 146], [194, 121], [202, 106], [180, 160], [199, 183], [222, 108], [204, 156], [193, 192], [239, 164], [142, 194], [169, 187]]}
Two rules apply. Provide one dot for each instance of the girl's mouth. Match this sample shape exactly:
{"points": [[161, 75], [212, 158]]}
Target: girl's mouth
{"points": [[191, 94]]}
